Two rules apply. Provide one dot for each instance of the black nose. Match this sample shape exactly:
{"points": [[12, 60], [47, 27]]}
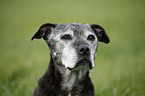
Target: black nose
{"points": [[84, 50]]}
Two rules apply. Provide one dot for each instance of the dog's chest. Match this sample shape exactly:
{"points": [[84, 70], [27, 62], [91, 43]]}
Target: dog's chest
{"points": [[71, 83]]}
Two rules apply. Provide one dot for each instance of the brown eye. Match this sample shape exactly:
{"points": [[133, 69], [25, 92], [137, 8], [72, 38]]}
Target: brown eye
{"points": [[91, 38], [66, 37]]}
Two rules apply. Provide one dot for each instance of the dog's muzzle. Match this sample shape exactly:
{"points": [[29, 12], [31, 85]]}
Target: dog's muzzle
{"points": [[84, 63]]}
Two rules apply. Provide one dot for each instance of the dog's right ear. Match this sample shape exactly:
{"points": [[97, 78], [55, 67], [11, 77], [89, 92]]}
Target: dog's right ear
{"points": [[44, 31]]}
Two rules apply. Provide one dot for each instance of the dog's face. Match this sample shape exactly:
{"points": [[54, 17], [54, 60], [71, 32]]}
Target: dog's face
{"points": [[72, 46]]}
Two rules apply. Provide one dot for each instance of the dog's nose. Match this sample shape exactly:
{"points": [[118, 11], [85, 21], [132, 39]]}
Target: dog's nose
{"points": [[84, 50]]}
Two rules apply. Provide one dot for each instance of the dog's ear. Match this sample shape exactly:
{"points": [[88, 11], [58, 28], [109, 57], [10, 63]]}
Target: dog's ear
{"points": [[44, 31], [100, 32]]}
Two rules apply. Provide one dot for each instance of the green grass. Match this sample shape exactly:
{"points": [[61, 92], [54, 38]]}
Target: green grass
{"points": [[120, 65]]}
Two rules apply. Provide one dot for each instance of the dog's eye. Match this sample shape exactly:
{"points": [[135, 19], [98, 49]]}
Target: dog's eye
{"points": [[91, 38], [66, 37]]}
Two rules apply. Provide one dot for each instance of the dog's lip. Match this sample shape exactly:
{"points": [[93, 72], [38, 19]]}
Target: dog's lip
{"points": [[84, 61], [80, 62], [69, 68]]}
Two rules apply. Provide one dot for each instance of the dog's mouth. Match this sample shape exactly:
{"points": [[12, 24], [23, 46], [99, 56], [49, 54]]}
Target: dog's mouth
{"points": [[82, 64]]}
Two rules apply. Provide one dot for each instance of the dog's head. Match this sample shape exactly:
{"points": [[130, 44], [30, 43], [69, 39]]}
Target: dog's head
{"points": [[72, 45]]}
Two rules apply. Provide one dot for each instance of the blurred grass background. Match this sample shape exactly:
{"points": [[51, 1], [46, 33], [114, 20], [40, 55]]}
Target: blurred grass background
{"points": [[120, 65]]}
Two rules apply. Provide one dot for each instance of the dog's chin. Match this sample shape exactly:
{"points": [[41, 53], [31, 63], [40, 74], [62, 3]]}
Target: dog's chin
{"points": [[83, 64]]}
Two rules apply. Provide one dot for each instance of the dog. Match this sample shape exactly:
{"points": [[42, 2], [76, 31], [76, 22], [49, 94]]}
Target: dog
{"points": [[73, 48]]}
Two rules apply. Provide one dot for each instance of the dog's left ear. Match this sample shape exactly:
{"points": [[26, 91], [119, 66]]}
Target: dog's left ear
{"points": [[100, 32], [44, 31]]}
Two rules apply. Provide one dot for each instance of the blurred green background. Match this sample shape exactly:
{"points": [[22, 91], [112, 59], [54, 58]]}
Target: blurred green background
{"points": [[120, 65]]}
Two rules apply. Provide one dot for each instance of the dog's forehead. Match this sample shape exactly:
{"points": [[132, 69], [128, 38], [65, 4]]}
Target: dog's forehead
{"points": [[75, 28]]}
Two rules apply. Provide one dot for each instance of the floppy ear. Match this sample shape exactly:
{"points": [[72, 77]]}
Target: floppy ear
{"points": [[100, 32], [44, 31]]}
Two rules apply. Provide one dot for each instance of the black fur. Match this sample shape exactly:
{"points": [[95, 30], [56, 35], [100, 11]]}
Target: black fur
{"points": [[50, 84]]}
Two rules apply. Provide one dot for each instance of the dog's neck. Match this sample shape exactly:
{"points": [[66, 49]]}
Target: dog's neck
{"points": [[72, 78], [67, 79]]}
